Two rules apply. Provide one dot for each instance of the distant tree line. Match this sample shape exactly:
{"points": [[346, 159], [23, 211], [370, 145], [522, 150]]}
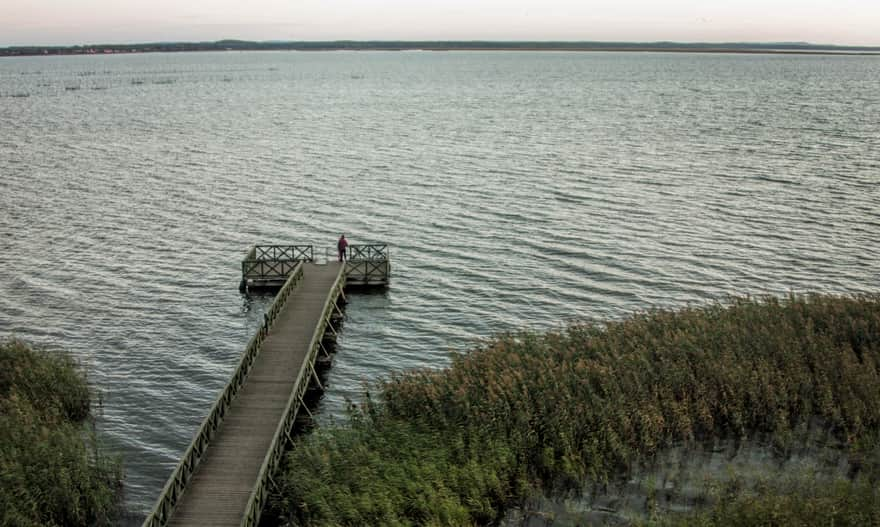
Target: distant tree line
{"points": [[435, 45]]}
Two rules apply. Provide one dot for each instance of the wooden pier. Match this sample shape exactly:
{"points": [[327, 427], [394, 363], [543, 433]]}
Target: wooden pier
{"points": [[223, 477]]}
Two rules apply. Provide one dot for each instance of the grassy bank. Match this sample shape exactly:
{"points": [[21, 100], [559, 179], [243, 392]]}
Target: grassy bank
{"points": [[52, 473], [551, 410]]}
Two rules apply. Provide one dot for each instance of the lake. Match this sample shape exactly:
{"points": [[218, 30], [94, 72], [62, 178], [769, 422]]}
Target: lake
{"points": [[516, 190]]}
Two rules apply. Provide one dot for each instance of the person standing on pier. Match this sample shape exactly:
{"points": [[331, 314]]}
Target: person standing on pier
{"points": [[341, 245]]}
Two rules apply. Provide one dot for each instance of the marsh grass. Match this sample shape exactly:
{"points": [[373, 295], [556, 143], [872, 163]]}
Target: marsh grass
{"points": [[51, 469], [551, 410], [842, 503]]}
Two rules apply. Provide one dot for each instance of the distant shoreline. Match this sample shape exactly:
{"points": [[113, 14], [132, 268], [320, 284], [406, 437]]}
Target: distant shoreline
{"points": [[643, 47]]}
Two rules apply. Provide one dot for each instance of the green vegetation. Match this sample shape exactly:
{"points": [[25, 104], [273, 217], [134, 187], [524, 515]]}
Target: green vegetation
{"points": [[552, 410], [51, 470], [801, 502]]}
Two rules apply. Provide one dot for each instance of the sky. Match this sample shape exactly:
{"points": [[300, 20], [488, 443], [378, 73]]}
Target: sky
{"points": [[83, 22]]}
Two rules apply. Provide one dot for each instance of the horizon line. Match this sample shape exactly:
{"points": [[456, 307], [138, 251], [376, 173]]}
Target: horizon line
{"points": [[457, 42]]}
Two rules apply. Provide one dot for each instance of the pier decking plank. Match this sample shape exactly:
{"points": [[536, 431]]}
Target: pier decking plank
{"points": [[219, 490]]}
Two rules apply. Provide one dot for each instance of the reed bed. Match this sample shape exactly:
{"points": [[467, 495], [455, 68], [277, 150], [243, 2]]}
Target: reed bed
{"points": [[552, 410], [841, 503], [52, 472]]}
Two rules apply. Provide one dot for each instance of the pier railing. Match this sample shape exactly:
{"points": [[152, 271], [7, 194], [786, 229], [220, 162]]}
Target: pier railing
{"points": [[260, 493], [372, 252], [368, 264], [272, 261], [303, 253], [179, 479]]}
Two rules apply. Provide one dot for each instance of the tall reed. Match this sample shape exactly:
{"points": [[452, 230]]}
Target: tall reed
{"points": [[553, 409], [802, 502], [52, 472]]}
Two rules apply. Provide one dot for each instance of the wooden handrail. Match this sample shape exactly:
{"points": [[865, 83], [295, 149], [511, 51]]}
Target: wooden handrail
{"points": [[266, 268], [303, 253], [372, 252]]}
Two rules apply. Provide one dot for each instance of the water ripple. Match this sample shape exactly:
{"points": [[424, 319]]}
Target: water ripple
{"points": [[577, 186]]}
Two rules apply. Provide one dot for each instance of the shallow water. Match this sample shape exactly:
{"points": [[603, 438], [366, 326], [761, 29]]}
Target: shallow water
{"points": [[516, 190], [688, 478]]}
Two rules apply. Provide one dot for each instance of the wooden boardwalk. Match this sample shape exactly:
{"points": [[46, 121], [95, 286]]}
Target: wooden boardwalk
{"points": [[219, 491], [223, 477]]}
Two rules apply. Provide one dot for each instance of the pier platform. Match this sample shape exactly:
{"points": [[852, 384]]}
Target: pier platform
{"points": [[268, 266]]}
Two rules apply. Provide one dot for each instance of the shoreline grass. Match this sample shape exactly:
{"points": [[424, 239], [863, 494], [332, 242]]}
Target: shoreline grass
{"points": [[551, 410], [52, 471], [841, 503]]}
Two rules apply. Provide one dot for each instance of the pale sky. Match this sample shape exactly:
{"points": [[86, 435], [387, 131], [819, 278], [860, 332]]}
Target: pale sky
{"points": [[69, 22]]}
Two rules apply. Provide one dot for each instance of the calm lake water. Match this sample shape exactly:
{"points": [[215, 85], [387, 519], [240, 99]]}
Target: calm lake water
{"points": [[517, 190]]}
